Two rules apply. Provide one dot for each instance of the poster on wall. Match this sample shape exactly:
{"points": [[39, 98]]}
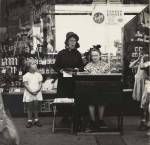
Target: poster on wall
{"points": [[42, 14], [110, 15], [135, 42]]}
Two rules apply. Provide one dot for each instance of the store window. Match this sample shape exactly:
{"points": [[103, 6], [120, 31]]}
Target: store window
{"points": [[95, 25]]}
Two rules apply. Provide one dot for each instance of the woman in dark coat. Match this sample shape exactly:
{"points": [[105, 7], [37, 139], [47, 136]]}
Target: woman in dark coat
{"points": [[68, 60]]}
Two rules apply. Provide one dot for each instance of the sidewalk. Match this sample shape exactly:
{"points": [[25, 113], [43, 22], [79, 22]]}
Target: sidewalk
{"points": [[44, 136]]}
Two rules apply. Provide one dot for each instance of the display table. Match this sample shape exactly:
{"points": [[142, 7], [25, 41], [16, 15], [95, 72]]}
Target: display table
{"points": [[97, 89]]}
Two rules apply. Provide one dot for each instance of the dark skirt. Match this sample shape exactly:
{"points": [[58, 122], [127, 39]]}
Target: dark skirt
{"points": [[65, 88]]}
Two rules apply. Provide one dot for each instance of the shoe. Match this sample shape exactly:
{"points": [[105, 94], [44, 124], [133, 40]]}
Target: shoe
{"points": [[37, 123], [92, 127], [102, 124], [29, 125]]}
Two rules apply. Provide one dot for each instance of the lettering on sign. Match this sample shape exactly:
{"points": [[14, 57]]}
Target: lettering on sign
{"points": [[114, 16]]}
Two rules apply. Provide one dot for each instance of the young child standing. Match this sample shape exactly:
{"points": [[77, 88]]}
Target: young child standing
{"points": [[32, 95]]}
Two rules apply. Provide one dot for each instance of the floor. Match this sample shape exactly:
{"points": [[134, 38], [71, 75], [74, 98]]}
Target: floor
{"points": [[43, 135]]}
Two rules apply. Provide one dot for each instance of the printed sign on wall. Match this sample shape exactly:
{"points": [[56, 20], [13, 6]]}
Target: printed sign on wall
{"points": [[108, 15]]}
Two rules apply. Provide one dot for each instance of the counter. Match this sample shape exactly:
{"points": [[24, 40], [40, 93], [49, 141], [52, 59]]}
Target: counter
{"points": [[111, 84], [107, 88], [96, 89]]}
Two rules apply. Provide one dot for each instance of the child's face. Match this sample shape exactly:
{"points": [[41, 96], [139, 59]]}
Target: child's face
{"points": [[95, 56], [33, 67]]}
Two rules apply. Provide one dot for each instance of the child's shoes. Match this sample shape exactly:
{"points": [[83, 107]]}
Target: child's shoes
{"points": [[29, 124], [37, 123]]}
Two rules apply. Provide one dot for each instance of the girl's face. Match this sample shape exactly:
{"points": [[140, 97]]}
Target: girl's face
{"points": [[72, 43], [33, 67], [95, 56]]}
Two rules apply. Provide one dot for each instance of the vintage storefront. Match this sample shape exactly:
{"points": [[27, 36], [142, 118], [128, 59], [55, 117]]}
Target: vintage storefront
{"points": [[38, 30]]}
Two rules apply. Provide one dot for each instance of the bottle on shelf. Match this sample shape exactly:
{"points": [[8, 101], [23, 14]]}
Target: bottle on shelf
{"points": [[12, 61], [20, 72], [19, 82], [2, 62], [9, 61], [15, 61], [6, 61], [47, 70], [14, 70], [11, 70]]}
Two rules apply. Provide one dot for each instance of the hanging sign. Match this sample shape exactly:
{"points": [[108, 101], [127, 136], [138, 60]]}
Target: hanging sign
{"points": [[108, 15], [114, 16]]}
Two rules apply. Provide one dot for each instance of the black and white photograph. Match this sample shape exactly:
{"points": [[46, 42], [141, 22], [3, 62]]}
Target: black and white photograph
{"points": [[74, 72]]}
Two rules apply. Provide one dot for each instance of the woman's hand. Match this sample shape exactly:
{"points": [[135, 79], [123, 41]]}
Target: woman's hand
{"points": [[135, 62], [76, 69], [140, 57], [61, 71]]}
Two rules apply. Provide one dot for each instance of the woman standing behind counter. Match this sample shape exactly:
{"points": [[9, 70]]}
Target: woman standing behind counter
{"points": [[96, 66], [68, 60]]}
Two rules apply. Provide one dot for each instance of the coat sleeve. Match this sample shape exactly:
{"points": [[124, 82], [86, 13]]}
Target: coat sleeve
{"points": [[81, 64]]}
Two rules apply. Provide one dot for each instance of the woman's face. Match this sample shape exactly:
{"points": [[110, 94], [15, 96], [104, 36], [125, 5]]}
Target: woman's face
{"points": [[95, 56], [72, 43]]}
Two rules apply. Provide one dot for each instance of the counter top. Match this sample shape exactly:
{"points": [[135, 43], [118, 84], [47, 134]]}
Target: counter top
{"points": [[99, 74]]}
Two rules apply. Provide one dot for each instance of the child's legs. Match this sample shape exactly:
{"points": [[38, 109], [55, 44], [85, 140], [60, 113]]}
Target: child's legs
{"points": [[36, 105], [101, 109], [92, 112], [29, 110]]}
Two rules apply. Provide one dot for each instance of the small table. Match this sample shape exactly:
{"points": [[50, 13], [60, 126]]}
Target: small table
{"points": [[61, 102]]}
